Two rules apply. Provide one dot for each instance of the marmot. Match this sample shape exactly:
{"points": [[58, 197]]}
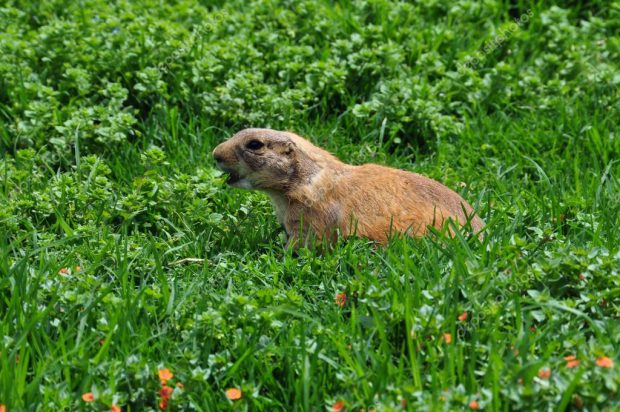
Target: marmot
{"points": [[314, 193]]}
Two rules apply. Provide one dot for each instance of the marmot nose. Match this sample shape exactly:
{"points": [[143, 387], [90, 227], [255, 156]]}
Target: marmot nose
{"points": [[218, 158]]}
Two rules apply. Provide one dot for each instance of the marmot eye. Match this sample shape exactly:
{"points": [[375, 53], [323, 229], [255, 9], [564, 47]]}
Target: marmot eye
{"points": [[254, 144]]}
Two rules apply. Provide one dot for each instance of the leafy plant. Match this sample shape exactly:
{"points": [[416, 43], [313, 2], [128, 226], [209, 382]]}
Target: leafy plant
{"points": [[109, 113]]}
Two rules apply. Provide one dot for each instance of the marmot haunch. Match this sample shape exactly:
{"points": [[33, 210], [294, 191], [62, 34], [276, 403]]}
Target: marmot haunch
{"points": [[314, 193]]}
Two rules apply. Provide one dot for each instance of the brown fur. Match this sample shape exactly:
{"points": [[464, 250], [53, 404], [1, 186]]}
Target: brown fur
{"points": [[314, 193]]}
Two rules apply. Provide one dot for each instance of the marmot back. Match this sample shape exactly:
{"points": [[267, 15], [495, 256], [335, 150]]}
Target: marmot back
{"points": [[315, 194]]}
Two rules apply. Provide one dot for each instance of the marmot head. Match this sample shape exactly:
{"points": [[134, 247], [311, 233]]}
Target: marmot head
{"points": [[259, 159]]}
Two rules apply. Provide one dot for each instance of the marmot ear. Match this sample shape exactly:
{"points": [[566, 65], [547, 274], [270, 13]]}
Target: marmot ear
{"points": [[289, 148]]}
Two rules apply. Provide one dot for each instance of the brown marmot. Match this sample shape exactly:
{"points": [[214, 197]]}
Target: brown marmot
{"points": [[314, 193]]}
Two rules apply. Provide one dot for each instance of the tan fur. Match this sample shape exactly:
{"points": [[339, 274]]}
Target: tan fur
{"points": [[314, 193]]}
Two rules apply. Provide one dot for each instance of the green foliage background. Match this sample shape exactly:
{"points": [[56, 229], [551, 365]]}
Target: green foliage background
{"points": [[109, 112]]}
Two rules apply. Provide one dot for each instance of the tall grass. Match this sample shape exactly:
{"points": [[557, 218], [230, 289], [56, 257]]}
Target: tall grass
{"points": [[106, 181]]}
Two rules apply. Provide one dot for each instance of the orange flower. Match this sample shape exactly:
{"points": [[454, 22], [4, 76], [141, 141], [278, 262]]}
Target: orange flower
{"points": [[341, 299], [165, 392], [163, 404], [88, 397], [338, 406], [115, 408], [463, 317], [447, 337], [474, 405], [2, 408], [233, 394], [544, 373], [63, 271], [604, 362], [165, 375], [571, 361]]}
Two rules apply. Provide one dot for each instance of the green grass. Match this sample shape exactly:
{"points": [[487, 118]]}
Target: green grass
{"points": [[108, 116]]}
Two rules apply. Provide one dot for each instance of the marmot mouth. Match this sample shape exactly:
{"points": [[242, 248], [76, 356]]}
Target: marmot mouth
{"points": [[233, 177]]}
